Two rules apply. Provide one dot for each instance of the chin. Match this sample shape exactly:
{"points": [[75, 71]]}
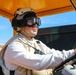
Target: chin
{"points": [[34, 35]]}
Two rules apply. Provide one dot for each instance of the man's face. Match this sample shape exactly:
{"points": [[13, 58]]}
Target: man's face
{"points": [[31, 27], [31, 31]]}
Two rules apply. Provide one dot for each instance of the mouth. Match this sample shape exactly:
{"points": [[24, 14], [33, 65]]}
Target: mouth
{"points": [[35, 28]]}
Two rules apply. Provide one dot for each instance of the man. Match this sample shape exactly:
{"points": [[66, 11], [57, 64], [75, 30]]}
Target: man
{"points": [[26, 55]]}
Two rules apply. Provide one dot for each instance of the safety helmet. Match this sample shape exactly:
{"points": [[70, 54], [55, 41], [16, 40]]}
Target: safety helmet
{"points": [[21, 16]]}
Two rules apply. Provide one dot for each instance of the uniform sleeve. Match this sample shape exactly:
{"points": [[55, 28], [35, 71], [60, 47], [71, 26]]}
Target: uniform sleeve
{"points": [[64, 53], [16, 54]]}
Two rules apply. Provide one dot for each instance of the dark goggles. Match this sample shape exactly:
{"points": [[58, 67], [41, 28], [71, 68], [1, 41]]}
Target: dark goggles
{"points": [[31, 21]]}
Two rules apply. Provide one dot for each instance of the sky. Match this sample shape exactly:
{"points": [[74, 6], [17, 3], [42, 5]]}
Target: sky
{"points": [[68, 18]]}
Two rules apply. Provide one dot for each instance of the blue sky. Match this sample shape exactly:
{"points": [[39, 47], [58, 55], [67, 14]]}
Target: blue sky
{"points": [[6, 31]]}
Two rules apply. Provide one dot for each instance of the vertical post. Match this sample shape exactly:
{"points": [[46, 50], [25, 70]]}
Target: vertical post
{"points": [[73, 3]]}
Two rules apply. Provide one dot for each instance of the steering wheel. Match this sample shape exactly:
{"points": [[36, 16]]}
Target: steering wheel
{"points": [[61, 66]]}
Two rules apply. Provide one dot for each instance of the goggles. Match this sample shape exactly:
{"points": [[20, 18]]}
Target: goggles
{"points": [[31, 21]]}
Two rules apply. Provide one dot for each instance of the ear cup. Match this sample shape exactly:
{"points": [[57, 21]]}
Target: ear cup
{"points": [[18, 23], [14, 24]]}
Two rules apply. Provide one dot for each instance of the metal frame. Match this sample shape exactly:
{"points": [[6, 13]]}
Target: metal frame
{"points": [[73, 3]]}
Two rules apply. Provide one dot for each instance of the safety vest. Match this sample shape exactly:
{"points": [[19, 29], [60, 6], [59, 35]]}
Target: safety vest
{"points": [[20, 70]]}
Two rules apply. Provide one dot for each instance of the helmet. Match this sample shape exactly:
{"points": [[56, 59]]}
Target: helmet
{"points": [[20, 15]]}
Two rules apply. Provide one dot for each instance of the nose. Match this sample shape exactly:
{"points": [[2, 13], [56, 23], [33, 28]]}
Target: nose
{"points": [[36, 25]]}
